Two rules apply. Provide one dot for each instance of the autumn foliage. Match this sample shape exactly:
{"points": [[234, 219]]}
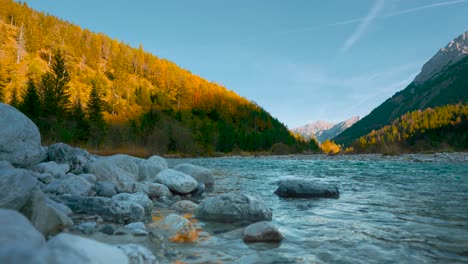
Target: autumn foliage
{"points": [[114, 96]]}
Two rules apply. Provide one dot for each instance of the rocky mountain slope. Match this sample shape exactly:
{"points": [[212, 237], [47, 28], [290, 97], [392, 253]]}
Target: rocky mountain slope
{"points": [[443, 80], [323, 130]]}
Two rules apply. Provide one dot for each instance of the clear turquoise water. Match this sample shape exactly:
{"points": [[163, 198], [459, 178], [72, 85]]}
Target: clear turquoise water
{"points": [[404, 209]]}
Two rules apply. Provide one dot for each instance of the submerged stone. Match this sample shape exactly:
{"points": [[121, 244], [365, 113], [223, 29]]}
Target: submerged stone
{"points": [[305, 189]]}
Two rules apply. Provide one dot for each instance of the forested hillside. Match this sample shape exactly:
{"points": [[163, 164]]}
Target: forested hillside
{"points": [[86, 88], [441, 128], [449, 86]]}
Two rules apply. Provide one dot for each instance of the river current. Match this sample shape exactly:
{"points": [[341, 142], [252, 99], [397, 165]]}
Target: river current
{"points": [[401, 209]]}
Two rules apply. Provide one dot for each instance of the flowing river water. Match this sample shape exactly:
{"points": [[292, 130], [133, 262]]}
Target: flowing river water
{"points": [[402, 209]]}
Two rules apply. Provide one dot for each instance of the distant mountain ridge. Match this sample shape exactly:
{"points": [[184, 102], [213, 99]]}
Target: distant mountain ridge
{"points": [[443, 80], [323, 130]]}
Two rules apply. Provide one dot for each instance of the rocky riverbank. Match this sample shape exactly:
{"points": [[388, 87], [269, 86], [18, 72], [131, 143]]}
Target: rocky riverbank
{"points": [[61, 204]]}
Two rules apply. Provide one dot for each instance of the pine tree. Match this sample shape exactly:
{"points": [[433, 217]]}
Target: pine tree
{"points": [[95, 115], [14, 101], [30, 105], [3, 83], [54, 88], [81, 125]]}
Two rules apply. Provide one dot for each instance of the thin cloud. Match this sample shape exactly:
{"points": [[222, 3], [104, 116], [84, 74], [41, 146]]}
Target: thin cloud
{"points": [[357, 34], [419, 8], [402, 12]]}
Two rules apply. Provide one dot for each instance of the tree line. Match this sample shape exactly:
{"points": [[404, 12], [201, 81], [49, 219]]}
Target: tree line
{"points": [[429, 129], [115, 96]]}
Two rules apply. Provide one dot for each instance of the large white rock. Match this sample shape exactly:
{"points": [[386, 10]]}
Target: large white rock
{"points": [[19, 240], [234, 207], [16, 187], [46, 218], [177, 181], [148, 169], [20, 141], [202, 175], [16, 229], [67, 248], [116, 169]]}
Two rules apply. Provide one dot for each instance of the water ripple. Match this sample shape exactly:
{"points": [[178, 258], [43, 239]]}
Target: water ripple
{"points": [[406, 209]]}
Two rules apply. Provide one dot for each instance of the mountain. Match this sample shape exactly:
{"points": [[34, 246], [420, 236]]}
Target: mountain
{"points": [[323, 130], [313, 129], [147, 102], [443, 80]]}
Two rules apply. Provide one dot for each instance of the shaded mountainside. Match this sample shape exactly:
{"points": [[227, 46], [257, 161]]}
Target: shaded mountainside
{"points": [[441, 128], [448, 86], [147, 102], [323, 130]]}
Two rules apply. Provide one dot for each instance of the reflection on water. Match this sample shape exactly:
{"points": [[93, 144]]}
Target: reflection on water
{"points": [[411, 208]]}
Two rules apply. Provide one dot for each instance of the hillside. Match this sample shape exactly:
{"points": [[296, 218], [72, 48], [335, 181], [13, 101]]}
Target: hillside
{"points": [[440, 128], [146, 102], [323, 130], [436, 85]]}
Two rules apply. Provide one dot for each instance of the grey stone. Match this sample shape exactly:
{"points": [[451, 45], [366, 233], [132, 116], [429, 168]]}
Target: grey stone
{"points": [[109, 209], [58, 206], [107, 229], [136, 225], [262, 232], [5, 165], [68, 248], [199, 190], [156, 190], [75, 185], [105, 189], [297, 188], [19, 253], [91, 178], [87, 228], [76, 158], [116, 169], [148, 169], [178, 228], [20, 141], [132, 231], [45, 178], [177, 181], [47, 219], [234, 207], [16, 187], [200, 174], [185, 206], [53, 168], [138, 254], [16, 229], [139, 198]]}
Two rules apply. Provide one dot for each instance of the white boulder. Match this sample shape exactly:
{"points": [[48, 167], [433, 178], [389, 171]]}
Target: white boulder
{"points": [[20, 141]]}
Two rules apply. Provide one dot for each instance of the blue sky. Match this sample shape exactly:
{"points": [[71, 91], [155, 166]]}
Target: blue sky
{"points": [[302, 60]]}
